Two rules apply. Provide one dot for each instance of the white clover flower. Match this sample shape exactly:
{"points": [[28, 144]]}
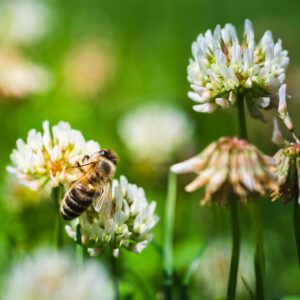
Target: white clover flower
{"points": [[54, 276], [20, 77], [130, 225], [155, 132], [45, 156], [222, 68], [213, 270], [24, 21]]}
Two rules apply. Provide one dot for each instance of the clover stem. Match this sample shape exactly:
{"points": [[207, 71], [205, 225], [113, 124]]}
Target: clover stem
{"points": [[235, 255], [58, 232], [169, 233]]}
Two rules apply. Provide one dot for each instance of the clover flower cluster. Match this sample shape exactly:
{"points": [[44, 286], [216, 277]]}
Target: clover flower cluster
{"points": [[53, 276], [130, 225], [88, 68], [21, 77], [229, 165], [287, 157], [213, 269], [155, 132], [23, 22], [222, 69], [45, 156]]}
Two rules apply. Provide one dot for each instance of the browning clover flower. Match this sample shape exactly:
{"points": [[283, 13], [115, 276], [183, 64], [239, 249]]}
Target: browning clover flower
{"points": [[288, 157], [223, 69], [229, 165], [288, 172], [44, 156], [53, 276], [130, 226]]}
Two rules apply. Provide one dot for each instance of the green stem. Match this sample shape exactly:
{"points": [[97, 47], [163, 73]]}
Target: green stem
{"points": [[242, 117], [234, 213], [79, 247], [169, 232], [114, 270], [259, 260], [58, 226], [236, 238], [297, 226]]}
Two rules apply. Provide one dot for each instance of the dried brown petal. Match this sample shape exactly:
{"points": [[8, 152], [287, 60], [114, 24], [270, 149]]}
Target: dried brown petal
{"points": [[230, 165]]}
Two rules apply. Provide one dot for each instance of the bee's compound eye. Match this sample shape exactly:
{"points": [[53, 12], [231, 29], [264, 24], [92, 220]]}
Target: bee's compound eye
{"points": [[102, 152]]}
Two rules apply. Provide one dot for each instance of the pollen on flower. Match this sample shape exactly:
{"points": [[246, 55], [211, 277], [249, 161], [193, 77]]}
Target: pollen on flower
{"points": [[222, 68], [44, 157], [130, 226], [230, 165]]}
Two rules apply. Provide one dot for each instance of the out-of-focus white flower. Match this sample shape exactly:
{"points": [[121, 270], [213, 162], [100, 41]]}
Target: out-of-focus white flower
{"points": [[54, 276], [45, 156], [154, 132], [24, 21], [20, 77], [222, 69], [88, 67], [213, 270], [130, 226]]}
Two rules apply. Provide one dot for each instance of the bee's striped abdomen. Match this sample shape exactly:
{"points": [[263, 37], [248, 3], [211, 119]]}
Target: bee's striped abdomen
{"points": [[77, 200]]}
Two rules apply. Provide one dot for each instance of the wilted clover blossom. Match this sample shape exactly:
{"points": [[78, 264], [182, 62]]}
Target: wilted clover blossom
{"points": [[222, 68], [45, 156], [229, 165], [288, 158], [130, 226]]}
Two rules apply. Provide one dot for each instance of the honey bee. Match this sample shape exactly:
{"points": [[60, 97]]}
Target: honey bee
{"points": [[93, 187]]}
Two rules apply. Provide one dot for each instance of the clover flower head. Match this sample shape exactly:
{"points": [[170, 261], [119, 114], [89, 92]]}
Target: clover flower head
{"points": [[21, 77], [53, 276], [45, 156], [288, 173], [288, 157], [229, 165], [130, 226], [88, 67], [213, 269], [154, 132], [24, 21], [222, 69]]}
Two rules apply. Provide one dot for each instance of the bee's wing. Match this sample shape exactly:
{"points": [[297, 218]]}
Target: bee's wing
{"points": [[103, 201], [78, 171]]}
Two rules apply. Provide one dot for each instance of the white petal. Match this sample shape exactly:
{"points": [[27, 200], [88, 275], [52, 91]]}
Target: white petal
{"points": [[205, 108]]}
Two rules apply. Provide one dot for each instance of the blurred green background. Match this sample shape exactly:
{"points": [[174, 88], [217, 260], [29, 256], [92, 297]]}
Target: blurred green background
{"points": [[145, 47]]}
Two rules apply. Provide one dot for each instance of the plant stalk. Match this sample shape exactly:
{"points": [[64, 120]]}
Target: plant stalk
{"points": [[259, 260], [169, 232], [79, 247], [114, 270], [243, 134], [58, 226], [297, 226], [236, 240]]}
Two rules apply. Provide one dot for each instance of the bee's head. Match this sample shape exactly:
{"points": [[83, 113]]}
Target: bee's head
{"points": [[109, 154]]}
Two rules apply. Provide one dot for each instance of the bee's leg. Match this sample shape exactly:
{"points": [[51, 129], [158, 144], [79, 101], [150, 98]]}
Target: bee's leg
{"points": [[80, 168], [85, 158]]}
